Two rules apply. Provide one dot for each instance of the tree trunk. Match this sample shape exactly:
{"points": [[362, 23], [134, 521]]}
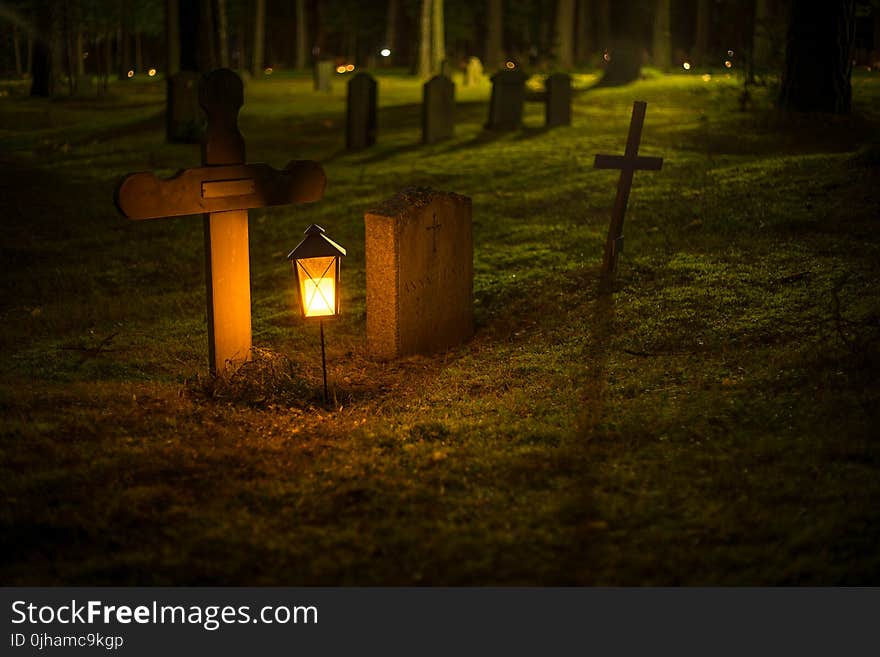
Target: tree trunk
{"points": [[138, 53], [29, 60], [80, 48], [662, 49], [172, 37], [242, 43], [564, 34], [438, 37], [207, 36], [41, 66], [701, 36], [67, 43], [123, 42], [818, 57], [603, 24], [222, 33], [302, 46], [259, 36], [17, 49], [627, 46], [583, 44], [762, 45], [494, 36], [425, 40], [391, 30]]}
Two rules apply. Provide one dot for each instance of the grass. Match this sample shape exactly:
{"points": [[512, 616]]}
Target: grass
{"points": [[713, 421]]}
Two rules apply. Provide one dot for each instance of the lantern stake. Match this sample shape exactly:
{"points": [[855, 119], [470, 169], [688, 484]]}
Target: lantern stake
{"points": [[323, 360]]}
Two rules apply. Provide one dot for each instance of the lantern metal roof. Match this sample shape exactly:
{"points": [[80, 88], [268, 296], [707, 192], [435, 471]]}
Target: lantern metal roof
{"points": [[315, 245]]}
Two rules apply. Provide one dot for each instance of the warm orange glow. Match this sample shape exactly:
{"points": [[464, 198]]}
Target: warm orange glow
{"points": [[606, 56], [268, 70], [317, 277], [510, 65], [686, 66], [152, 72], [340, 69], [350, 67], [728, 63], [131, 74], [706, 77], [320, 296]]}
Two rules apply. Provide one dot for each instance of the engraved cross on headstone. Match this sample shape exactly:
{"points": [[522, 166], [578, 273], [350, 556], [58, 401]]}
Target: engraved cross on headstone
{"points": [[222, 191], [628, 164], [434, 227]]}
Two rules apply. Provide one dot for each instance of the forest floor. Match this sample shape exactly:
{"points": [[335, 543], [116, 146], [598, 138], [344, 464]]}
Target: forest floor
{"points": [[712, 421]]}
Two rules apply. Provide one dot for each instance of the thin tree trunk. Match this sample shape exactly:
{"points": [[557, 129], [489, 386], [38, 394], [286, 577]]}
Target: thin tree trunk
{"points": [[425, 40], [67, 44], [494, 36], [564, 33], [123, 41], [80, 48], [302, 31], [603, 24], [29, 59], [41, 66], [16, 48], [172, 37], [207, 37], [583, 44], [701, 37], [242, 38], [818, 57], [259, 36], [391, 29], [438, 37], [662, 49], [222, 34]]}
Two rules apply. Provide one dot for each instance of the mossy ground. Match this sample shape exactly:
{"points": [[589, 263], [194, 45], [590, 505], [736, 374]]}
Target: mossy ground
{"points": [[713, 421]]}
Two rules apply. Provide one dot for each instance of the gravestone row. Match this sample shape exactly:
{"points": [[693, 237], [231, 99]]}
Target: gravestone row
{"points": [[418, 245], [438, 106]]}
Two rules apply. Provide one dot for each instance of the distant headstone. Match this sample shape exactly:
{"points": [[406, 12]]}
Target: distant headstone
{"points": [[473, 73], [184, 119], [361, 113], [506, 104], [558, 100], [438, 109], [323, 75], [420, 273]]}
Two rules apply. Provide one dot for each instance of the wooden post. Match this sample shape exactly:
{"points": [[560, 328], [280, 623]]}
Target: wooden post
{"points": [[222, 191], [628, 164]]}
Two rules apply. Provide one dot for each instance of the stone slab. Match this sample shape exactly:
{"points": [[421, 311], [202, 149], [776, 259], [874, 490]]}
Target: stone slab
{"points": [[420, 274]]}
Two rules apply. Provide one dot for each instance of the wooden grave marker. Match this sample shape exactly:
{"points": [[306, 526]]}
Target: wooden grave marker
{"points": [[628, 163], [222, 191]]}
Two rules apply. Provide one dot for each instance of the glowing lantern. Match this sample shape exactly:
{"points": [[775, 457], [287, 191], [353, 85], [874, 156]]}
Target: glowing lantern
{"points": [[349, 68], [728, 63], [385, 52], [268, 70], [316, 267], [130, 73], [151, 72], [340, 69], [686, 66], [510, 65]]}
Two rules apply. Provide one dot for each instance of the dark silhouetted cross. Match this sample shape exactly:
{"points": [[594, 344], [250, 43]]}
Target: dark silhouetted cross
{"points": [[628, 163]]}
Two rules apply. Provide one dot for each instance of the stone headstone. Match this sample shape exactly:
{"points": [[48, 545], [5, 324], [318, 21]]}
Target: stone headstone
{"points": [[438, 109], [361, 112], [420, 273], [506, 104], [184, 119], [323, 75], [558, 100], [473, 72]]}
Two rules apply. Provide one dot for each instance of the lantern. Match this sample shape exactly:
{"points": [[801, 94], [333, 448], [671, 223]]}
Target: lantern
{"points": [[316, 269]]}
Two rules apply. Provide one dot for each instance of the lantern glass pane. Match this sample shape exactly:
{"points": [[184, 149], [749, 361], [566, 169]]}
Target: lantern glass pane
{"points": [[317, 285]]}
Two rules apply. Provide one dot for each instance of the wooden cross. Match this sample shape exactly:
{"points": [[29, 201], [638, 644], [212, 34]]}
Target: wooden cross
{"points": [[222, 191], [628, 164], [434, 227]]}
